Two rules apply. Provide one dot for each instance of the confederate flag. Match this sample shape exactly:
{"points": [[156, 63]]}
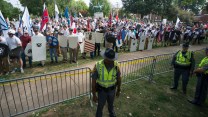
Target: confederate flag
{"points": [[45, 19]]}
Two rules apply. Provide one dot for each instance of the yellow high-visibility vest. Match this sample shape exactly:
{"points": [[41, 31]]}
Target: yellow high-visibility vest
{"points": [[182, 60], [204, 63], [106, 79]]}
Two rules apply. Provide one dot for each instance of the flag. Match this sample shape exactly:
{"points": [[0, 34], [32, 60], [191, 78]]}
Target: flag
{"points": [[71, 20], [66, 15], [25, 22], [177, 23], [117, 17], [88, 25], [80, 14], [56, 13], [44, 6], [45, 19], [160, 33], [110, 20], [3, 23]]}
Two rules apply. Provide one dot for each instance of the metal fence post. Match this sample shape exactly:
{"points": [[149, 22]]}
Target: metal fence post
{"points": [[152, 70]]}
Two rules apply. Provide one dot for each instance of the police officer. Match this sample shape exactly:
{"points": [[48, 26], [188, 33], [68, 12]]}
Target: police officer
{"points": [[183, 62], [202, 81], [105, 79]]}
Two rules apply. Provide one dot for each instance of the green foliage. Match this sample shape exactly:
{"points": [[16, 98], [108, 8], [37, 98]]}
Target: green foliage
{"points": [[105, 9], [145, 7], [8, 10], [194, 5], [35, 7]]}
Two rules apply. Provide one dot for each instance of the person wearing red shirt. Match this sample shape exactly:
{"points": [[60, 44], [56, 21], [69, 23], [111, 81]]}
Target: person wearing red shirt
{"points": [[25, 39]]}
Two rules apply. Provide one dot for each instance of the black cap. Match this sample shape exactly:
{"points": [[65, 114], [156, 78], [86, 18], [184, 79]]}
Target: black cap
{"points": [[70, 29], [206, 49], [185, 45]]}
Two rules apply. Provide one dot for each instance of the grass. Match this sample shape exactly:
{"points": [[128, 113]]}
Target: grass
{"points": [[145, 100]]}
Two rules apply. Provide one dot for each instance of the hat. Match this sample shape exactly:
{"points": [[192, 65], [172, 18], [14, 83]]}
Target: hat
{"points": [[109, 54], [11, 31], [36, 27], [25, 31], [185, 45], [206, 49], [70, 29]]}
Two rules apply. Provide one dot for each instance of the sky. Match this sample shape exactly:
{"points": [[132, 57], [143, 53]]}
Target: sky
{"points": [[16, 3]]}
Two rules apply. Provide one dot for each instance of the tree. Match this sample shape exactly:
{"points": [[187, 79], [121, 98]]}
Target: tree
{"points": [[35, 7], [193, 5], [145, 7], [106, 7], [8, 10]]}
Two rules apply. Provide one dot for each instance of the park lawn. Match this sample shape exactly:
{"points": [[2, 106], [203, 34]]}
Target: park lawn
{"points": [[138, 99]]}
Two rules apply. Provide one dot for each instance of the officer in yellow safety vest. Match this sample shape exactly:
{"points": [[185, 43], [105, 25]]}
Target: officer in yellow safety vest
{"points": [[202, 81], [106, 78], [183, 62]]}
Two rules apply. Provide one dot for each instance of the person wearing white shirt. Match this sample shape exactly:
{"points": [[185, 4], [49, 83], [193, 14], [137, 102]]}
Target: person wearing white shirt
{"points": [[80, 41], [13, 43], [131, 35], [4, 61]]}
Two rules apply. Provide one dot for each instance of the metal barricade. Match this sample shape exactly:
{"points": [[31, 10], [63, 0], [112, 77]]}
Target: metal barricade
{"points": [[23, 95], [163, 63], [135, 69]]}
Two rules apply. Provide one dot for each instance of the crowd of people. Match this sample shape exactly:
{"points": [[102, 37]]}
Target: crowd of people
{"points": [[118, 32]]}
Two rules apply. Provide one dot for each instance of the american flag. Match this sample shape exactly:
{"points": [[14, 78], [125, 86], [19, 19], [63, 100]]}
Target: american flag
{"points": [[89, 47]]}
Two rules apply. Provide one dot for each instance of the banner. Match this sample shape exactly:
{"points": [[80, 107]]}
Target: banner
{"points": [[98, 15], [73, 40], [38, 48], [28, 50], [134, 43], [63, 41], [142, 42]]}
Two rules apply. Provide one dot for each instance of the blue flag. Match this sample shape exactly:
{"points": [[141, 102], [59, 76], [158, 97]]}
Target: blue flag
{"points": [[66, 13], [3, 23]]}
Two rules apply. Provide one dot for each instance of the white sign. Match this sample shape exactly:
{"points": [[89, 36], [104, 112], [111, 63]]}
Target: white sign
{"points": [[98, 15], [38, 48], [142, 42], [28, 50], [87, 37], [63, 40], [119, 43], [73, 40], [151, 40], [133, 46], [98, 37]]}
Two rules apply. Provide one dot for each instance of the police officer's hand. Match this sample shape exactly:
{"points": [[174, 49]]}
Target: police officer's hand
{"points": [[117, 92], [95, 98]]}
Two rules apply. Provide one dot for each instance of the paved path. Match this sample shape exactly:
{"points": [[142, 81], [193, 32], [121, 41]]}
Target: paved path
{"points": [[146, 53]]}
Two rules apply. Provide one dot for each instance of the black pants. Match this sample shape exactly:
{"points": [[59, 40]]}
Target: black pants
{"points": [[115, 47], [97, 49], [104, 96], [185, 77], [201, 89]]}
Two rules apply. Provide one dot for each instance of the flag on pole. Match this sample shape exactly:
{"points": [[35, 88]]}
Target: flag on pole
{"points": [[44, 6], [160, 33], [80, 14], [25, 22], [110, 20], [56, 13], [3, 23], [45, 19], [66, 14], [177, 23]]}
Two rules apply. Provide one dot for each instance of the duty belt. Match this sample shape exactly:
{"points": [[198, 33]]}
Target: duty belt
{"points": [[99, 88]]}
